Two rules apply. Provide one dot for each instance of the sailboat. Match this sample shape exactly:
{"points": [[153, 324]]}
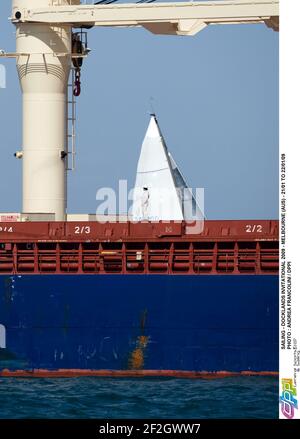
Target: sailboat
{"points": [[161, 192]]}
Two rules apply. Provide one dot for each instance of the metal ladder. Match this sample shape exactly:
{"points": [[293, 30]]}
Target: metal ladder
{"points": [[71, 124]]}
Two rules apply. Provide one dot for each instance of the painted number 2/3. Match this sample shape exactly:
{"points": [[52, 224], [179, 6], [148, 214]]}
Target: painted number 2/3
{"points": [[84, 230], [254, 228]]}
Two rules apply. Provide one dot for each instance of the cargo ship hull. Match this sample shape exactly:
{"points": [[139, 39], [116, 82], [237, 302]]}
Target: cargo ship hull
{"points": [[137, 324]]}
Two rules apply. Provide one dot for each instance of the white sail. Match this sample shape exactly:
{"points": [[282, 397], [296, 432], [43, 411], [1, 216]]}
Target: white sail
{"points": [[161, 192], [190, 207], [155, 195]]}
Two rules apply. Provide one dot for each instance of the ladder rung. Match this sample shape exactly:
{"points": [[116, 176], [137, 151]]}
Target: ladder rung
{"points": [[71, 121]]}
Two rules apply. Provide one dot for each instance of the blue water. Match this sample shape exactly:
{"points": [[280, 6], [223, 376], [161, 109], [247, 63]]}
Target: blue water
{"points": [[241, 397]]}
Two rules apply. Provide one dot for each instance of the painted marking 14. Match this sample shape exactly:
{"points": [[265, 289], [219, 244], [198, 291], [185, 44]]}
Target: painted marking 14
{"points": [[254, 228], [6, 229]]}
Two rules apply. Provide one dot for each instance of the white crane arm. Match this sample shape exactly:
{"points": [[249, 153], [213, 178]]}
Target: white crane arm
{"points": [[160, 18]]}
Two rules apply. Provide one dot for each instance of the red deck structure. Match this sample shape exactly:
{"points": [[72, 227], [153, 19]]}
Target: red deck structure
{"points": [[223, 247]]}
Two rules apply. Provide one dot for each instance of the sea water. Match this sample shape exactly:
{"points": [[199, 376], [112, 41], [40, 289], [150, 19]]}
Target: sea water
{"points": [[109, 398]]}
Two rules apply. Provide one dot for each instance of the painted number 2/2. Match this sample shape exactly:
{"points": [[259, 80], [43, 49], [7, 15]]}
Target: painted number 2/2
{"points": [[252, 228]]}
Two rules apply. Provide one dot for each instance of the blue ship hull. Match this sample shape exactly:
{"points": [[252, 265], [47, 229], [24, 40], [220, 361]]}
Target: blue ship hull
{"points": [[209, 323]]}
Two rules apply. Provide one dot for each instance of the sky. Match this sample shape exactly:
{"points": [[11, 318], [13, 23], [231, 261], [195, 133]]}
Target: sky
{"points": [[216, 99]]}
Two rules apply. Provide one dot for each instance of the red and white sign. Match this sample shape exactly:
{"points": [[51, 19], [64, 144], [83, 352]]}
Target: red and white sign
{"points": [[10, 218]]}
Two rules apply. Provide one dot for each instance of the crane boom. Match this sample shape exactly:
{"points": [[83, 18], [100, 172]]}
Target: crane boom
{"points": [[177, 18]]}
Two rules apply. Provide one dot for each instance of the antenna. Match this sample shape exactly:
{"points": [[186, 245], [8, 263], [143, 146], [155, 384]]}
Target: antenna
{"points": [[151, 105]]}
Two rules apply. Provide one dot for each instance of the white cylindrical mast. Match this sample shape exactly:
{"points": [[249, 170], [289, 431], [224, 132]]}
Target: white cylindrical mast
{"points": [[44, 77]]}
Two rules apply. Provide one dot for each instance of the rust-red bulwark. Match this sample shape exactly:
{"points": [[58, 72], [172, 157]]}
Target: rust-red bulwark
{"points": [[222, 247], [73, 373]]}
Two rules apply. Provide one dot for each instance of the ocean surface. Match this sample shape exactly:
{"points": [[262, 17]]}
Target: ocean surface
{"points": [[102, 398]]}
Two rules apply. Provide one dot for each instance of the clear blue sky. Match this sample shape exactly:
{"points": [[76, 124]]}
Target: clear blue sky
{"points": [[216, 97]]}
